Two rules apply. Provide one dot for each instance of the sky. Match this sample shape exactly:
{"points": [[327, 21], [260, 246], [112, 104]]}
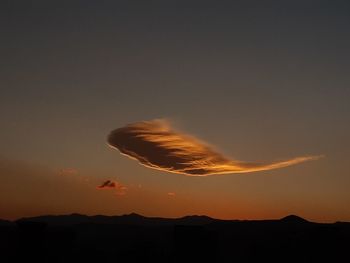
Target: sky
{"points": [[259, 80]]}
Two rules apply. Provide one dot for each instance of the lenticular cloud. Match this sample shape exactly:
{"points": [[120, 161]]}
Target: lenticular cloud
{"points": [[155, 144]]}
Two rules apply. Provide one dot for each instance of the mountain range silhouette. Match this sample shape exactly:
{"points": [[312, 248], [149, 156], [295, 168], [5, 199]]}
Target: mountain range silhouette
{"points": [[132, 218], [136, 238]]}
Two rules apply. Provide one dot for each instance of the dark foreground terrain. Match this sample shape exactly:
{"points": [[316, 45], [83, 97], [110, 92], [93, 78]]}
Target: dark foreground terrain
{"points": [[134, 238]]}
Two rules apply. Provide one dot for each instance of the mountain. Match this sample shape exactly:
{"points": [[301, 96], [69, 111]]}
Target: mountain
{"points": [[293, 219], [59, 219], [136, 238], [136, 219], [129, 219]]}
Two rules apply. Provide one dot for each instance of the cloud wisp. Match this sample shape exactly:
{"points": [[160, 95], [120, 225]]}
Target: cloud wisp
{"points": [[155, 144]]}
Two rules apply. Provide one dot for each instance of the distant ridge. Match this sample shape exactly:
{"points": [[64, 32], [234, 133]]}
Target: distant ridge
{"points": [[195, 238], [294, 219], [136, 219], [133, 218], [195, 220]]}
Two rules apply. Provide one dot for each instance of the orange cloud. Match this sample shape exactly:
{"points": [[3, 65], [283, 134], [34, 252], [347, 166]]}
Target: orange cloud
{"points": [[171, 194], [120, 189], [155, 144]]}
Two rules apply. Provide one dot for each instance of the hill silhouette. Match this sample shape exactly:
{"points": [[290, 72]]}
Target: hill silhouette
{"points": [[294, 219], [136, 238], [133, 218]]}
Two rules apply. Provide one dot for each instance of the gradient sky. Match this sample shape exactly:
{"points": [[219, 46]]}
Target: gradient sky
{"points": [[260, 80]]}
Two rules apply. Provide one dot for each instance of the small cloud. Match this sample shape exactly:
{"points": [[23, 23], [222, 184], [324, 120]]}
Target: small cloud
{"points": [[171, 194], [118, 187], [107, 184]]}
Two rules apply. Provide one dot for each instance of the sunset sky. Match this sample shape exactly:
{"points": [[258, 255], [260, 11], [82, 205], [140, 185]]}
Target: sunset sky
{"points": [[259, 80]]}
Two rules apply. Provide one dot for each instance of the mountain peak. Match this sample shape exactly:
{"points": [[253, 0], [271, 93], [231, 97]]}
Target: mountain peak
{"points": [[294, 219], [134, 215]]}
